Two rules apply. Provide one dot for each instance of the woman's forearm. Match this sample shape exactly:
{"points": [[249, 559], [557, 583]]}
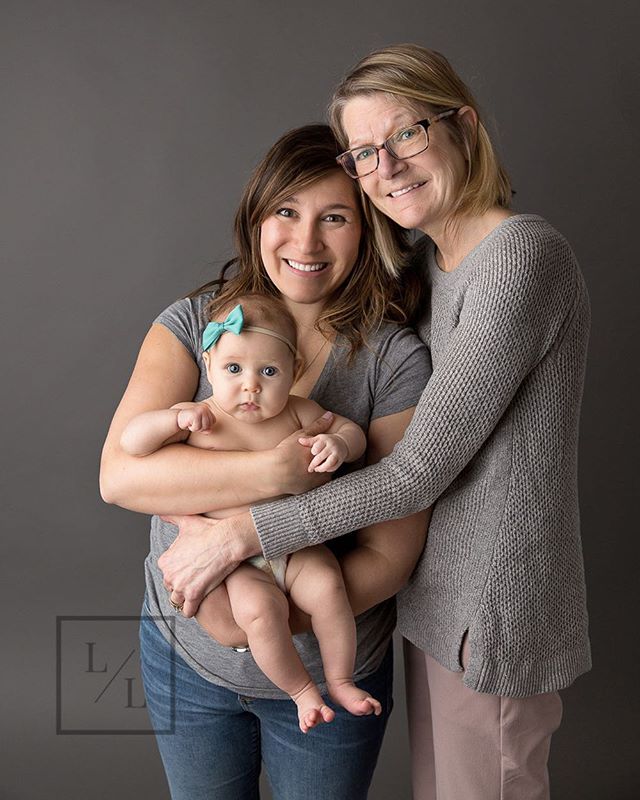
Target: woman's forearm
{"points": [[150, 431], [179, 479]]}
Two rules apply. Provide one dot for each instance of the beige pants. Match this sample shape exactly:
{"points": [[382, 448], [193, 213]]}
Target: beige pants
{"points": [[471, 746]]}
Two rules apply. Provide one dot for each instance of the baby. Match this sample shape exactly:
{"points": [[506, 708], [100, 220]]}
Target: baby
{"points": [[251, 363]]}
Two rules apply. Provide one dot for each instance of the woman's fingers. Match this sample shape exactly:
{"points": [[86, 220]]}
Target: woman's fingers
{"points": [[195, 562], [321, 424], [177, 600]]}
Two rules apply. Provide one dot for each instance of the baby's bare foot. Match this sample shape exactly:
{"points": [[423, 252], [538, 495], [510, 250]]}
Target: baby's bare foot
{"points": [[312, 710], [356, 701]]}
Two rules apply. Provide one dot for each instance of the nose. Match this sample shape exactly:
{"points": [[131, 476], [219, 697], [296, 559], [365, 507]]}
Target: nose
{"points": [[308, 237], [251, 383], [388, 166]]}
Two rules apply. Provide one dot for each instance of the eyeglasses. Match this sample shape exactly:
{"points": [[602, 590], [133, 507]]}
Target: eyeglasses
{"points": [[405, 143]]}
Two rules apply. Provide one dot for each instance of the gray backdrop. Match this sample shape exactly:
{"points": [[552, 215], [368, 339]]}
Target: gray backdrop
{"points": [[128, 130]]}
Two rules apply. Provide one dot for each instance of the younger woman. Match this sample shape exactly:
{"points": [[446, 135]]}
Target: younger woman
{"points": [[301, 235]]}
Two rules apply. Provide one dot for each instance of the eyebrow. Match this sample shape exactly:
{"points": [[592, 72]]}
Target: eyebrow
{"points": [[265, 361], [365, 143], [332, 206]]}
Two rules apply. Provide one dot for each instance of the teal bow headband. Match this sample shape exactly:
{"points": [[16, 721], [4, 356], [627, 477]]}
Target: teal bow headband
{"points": [[234, 323], [214, 330]]}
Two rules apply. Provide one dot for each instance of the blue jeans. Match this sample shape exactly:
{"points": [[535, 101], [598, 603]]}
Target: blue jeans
{"points": [[221, 738]]}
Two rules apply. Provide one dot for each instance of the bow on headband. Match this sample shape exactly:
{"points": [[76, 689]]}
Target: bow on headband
{"points": [[214, 330]]}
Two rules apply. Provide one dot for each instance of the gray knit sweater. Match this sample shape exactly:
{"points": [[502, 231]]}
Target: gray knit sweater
{"points": [[494, 441]]}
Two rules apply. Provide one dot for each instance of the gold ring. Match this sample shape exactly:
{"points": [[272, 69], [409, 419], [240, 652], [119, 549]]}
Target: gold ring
{"points": [[177, 606]]}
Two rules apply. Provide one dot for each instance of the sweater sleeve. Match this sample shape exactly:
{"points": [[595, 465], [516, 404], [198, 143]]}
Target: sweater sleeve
{"points": [[515, 307]]}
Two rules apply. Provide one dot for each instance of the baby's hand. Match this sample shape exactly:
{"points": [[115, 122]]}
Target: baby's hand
{"points": [[197, 418], [329, 450]]}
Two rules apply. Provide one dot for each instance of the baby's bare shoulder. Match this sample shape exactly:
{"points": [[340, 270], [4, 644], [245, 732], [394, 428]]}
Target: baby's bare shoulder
{"points": [[305, 409]]}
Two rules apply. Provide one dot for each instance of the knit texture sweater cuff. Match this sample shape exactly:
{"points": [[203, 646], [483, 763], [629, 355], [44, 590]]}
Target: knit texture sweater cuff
{"points": [[280, 528]]}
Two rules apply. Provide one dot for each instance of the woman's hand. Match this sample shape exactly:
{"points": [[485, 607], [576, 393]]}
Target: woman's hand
{"points": [[203, 554], [293, 459]]}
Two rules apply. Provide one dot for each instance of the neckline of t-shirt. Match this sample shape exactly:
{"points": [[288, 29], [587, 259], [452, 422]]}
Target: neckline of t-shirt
{"points": [[471, 256], [327, 369]]}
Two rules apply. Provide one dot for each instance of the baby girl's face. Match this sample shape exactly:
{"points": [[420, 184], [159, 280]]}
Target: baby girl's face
{"points": [[251, 375]]}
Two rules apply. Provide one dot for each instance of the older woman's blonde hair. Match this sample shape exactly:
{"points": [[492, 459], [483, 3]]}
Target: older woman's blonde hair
{"points": [[381, 286], [415, 76]]}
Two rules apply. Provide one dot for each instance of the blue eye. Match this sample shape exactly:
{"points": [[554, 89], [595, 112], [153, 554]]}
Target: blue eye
{"points": [[234, 369], [362, 155], [269, 372], [406, 135]]}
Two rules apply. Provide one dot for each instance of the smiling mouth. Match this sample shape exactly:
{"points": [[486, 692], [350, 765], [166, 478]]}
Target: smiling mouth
{"points": [[406, 190], [298, 266]]}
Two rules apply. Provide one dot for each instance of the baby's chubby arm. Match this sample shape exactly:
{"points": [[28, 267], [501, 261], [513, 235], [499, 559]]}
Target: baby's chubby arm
{"points": [[148, 432], [344, 441]]}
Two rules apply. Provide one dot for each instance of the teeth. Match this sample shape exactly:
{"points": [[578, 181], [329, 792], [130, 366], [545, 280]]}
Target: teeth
{"points": [[405, 190], [305, 267]]}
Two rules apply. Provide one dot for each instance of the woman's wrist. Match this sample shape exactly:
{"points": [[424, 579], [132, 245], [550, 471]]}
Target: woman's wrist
{"points": [[243, 536], [274, 473]]}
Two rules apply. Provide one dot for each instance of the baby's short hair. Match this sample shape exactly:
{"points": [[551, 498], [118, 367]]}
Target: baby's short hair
{"points": [[261, 310]]}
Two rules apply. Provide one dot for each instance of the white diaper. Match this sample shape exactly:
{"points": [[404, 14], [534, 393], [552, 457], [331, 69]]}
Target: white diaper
{"points": [[276, 568]]}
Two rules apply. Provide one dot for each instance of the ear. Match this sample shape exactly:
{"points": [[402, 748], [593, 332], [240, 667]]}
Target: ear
{"points": [[206, 357], [468, 118]]}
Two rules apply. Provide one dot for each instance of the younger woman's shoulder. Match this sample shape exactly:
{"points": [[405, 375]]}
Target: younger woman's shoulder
{"points": [[188, 308], [394, 350], [186, 319], [393, 338]]}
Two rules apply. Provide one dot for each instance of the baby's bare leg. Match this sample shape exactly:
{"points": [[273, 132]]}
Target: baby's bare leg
{"points": [[262, 611], [215, 616], [314, 581]]}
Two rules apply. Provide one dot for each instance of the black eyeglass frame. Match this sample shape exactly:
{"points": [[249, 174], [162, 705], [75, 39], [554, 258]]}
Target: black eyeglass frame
{"points": [[423, 123]]}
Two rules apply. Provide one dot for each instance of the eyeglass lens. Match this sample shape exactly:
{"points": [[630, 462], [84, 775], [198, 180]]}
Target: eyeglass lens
{"points": [[404, 144]]}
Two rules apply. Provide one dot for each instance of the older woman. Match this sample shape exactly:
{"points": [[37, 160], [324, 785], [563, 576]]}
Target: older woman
{"points": [[301, 235], [495, 614]]}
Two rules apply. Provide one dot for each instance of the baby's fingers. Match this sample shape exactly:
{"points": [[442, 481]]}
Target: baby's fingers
{"points": [[325, 461], [185, 421], [202, 423], [329, 464], [317, 461], [318, 447]]}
